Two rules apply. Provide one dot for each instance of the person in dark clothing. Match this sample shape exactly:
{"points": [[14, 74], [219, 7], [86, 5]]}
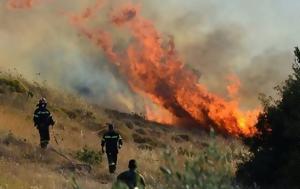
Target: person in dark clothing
{"points": [[42, 119], [112, 141], [131, 178]]}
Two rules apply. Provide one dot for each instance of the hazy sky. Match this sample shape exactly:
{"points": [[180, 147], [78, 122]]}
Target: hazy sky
{"points": [[269, 23]]}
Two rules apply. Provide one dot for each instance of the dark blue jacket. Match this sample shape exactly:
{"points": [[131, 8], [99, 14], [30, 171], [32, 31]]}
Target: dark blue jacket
{"points": [[42, 118], [112, 141]]}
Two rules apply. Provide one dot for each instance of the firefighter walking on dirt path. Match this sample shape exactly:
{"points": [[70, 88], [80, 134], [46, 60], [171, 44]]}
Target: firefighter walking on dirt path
{"points": [[112, 141], [42, 119]]}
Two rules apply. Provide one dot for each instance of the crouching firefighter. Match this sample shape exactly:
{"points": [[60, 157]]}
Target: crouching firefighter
{"points": [[42, 119], [112, 141]]}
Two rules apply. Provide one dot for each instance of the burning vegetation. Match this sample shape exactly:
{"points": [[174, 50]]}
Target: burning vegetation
{"points": [[150, 64], [21, 4], [153, 68]]}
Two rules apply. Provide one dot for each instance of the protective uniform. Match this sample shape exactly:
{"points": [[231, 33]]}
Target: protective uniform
{"points": [[42, 119], [131, 178], [112, 142]]}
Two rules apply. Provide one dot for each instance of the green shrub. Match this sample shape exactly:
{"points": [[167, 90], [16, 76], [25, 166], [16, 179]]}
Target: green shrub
{"points": [[210, 169], [275, 149], [89, 156], [12, 85]]}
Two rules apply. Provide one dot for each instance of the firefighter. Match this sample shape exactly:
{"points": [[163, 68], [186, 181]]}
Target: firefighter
{"points": [[112, 141], [131, 178], [42, 119]]}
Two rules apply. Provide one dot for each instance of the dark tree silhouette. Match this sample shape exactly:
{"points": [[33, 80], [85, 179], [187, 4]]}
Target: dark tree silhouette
{"points": [[276, 148]]}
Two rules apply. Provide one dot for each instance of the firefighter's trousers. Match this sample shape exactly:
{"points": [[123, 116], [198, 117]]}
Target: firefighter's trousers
{"points": [[44, 136], [112, 158]]}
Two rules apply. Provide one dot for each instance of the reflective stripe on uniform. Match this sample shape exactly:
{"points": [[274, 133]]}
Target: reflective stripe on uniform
{"points": [[42, 112], [106, 137]]}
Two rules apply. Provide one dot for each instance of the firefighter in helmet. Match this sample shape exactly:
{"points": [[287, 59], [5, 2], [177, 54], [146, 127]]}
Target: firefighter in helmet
{"points": [[112, 142], [42, 119], [130, 179]]}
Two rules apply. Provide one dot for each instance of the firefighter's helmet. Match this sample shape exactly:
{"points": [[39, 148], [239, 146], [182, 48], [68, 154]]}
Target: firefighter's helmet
{"points": [[42, 102]]}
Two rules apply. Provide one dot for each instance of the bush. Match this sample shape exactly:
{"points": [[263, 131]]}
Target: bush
{"points": [[89, 156], [276, 152], [12, 85], [211, 169]]}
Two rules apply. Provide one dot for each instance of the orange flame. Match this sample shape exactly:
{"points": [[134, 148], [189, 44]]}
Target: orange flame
{"points": [[23, 4], [159, 115], [87, 14], [20, 4], [154, 69], [234, 86]]}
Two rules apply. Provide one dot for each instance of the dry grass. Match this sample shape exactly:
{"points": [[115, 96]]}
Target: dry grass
{"points": [[23, 165]]}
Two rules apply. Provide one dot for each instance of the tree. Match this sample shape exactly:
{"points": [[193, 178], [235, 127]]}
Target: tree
{"points": [[276, 147]]}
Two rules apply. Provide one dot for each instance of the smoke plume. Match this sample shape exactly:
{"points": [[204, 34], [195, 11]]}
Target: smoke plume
{"points": [[184, 46]]}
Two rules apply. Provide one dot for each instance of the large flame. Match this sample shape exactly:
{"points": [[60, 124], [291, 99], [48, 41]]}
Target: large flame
{"points": [[154, 69]]}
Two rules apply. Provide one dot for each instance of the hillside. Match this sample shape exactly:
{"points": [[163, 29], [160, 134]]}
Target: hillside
{"points": [[79, 125]]}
